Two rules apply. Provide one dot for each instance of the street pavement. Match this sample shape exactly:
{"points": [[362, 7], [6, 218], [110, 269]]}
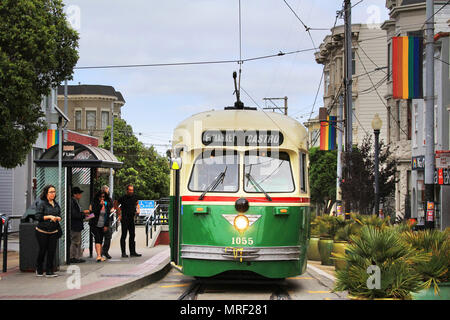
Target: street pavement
{"points": [[146, 277], [90, 280]]}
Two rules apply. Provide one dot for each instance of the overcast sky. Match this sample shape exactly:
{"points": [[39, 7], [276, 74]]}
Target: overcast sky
{"points": [[114, 32]]}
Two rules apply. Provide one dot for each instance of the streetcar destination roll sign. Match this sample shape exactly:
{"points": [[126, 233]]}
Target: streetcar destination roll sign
{"points": [[242, 138]]}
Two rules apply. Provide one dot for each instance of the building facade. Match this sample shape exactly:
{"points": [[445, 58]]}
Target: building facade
{"points": [[89, 108], [369, 71], [406, 116]]}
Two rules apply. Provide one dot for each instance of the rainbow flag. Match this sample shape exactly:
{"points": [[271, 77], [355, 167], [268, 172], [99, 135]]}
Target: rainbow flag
{"points": [[328, 134], [52, 138], [407, 70]]}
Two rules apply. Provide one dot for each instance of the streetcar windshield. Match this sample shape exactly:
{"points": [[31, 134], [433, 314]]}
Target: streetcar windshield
{"points": [[270, 170], [215, 164]]}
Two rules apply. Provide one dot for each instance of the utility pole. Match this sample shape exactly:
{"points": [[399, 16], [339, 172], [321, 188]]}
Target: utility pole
{"points": [[429, 116], [111, 149], [348, 91], [66, 107], [276, 107], [339, 157]]}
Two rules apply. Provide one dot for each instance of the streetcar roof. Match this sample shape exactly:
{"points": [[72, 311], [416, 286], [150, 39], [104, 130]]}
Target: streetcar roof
{"points": [[188, 133]]}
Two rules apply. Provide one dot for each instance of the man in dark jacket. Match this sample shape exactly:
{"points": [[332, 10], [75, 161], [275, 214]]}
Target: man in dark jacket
{"points": [[77, 218], [129, 208]]}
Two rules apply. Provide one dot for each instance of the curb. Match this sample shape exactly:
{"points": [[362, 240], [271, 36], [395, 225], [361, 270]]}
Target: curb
{"points": [[124, 289]]}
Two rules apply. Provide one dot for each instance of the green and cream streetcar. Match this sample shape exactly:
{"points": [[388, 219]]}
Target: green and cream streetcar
{"points": [[239, 194]]}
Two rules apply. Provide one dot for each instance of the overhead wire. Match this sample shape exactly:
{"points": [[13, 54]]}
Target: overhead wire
{"points": [[379, 96]]}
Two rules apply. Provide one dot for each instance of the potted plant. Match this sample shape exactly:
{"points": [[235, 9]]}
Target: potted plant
{"points": [[313, 248], [434, 273], [327, 229], [341, 240], [380, 265]]}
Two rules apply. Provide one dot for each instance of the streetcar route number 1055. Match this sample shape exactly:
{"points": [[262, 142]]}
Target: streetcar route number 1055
{"points": [[243, 241]]}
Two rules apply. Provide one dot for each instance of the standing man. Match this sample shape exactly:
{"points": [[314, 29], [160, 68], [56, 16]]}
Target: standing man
{"points": [[108, 234], [76, 227], [129, 208]]}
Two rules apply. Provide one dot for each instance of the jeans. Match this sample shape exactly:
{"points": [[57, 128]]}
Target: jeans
{"points": [[47, 245]]}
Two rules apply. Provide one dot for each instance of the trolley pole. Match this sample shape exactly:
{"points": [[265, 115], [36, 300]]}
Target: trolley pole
{"points": [[348, 93], [429, 117]]}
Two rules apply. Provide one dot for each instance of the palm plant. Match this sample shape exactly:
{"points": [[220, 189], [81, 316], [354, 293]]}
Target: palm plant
{"points": [[328, 225], [395, 259], [436, 244]]}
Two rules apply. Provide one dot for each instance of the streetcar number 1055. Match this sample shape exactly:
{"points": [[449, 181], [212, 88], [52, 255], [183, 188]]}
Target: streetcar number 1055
{"points": [[242, 240]]}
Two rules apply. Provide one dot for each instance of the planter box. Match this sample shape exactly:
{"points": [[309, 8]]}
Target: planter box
{"points": [[428, 294]]}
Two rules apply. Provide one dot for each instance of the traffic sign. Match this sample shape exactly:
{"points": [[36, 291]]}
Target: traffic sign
{"points": [[147, 207]]}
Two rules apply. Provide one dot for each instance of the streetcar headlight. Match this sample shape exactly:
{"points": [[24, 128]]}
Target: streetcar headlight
{"points": [[241, 222]]}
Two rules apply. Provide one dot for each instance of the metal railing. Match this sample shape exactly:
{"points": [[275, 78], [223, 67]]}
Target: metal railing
{"points": [[159, 217], [4, 234]]}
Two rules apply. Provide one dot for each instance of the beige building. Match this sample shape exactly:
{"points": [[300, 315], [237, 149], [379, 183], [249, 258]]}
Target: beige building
{"points": [[369, 72], [406, 18], [89, 108]]}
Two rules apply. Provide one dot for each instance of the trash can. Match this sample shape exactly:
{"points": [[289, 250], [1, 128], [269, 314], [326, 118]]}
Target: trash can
{"points": [[28, 245]]}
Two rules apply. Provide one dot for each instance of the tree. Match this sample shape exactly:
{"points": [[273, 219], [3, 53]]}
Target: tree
{"points": [[142, 167], [322, 176], [359, 188], [37, 52]]}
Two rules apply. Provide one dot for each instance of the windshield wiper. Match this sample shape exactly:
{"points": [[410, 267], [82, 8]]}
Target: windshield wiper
{"points": [[214, 184], [253, 181]]}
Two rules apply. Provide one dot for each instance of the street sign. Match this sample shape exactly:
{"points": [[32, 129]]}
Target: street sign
{"points": [[443, 159], [442, 176], [418, 163], [147, 207]]}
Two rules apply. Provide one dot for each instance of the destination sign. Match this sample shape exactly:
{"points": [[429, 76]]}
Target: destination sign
{"points": [[242, 138]]}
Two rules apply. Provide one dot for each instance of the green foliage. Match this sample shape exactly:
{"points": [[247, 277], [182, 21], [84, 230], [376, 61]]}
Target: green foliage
{"points": [[142, 167], [328, 225], [437, 245], [359, 189], [37, 52], [322, 175], [384, 248]]}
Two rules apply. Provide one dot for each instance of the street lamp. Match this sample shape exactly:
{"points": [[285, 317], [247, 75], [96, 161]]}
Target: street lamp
{"points": [[376, 125]]}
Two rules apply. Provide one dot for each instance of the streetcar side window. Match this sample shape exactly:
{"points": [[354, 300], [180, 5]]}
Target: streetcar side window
{"points": [[217, 170], [268, 170], [303, 172]]}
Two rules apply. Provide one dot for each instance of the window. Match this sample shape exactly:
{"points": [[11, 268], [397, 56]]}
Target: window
{"points": [[389, 61], [416, 125], [78, 120], [105, 119], [353, 62], [270, 171], [327, 82], [91, 119], [210, 165], [303, 173]]}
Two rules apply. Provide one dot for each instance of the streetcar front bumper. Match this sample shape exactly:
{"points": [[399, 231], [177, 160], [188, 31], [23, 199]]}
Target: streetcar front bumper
{"points": [[217, 253]]}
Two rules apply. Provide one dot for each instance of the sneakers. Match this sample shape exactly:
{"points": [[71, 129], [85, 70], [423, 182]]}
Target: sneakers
{"points": [[50, 274], [39, 273]]}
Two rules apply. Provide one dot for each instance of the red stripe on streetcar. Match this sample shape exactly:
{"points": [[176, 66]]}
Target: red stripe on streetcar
{"points": [[254, 199]]}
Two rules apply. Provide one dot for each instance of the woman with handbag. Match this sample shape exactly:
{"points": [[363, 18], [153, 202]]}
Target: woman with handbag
{"points": [[48, 230], [99, 224]]}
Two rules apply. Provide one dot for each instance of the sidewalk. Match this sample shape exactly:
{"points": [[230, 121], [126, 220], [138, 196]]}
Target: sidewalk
{"points": [[111, 279]]}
